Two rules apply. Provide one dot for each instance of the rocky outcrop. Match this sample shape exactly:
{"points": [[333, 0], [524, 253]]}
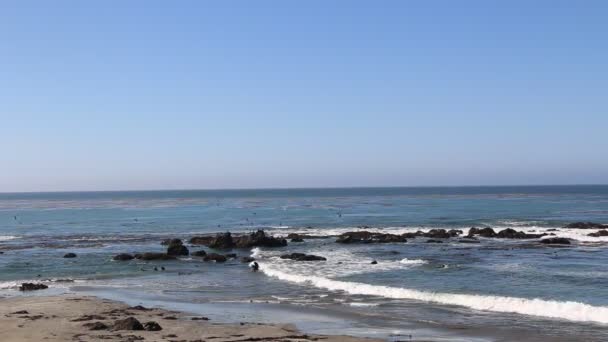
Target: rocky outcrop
{"points": [[123, 257], [369, 237], [513, 234], [201, 240], [222, 241], [130, 323], [32, 287], [69, 255], [215, 257], [555, 241], [177, 248], [154, 256], [483, 232], [599, 233], [152, 326], [586, 225], [302, 257], [259, 239]]}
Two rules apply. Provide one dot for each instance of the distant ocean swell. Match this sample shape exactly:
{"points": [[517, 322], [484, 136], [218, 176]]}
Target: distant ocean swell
{"points": [[573, 311]]}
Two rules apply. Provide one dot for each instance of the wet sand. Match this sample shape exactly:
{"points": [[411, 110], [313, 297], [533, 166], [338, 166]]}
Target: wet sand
{"points": [[83, 318]]}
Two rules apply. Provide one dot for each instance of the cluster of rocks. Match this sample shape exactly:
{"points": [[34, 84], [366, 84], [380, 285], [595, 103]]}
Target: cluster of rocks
{"points": [[129, 323], [508, 233], [303, 257], [369, 237], [32, 287], [228, 241]]}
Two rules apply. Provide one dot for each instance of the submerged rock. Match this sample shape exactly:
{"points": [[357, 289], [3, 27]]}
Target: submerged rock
{"points": [[215, 257], [586, 225], [247, 259], [69, 255], [32, 287], [123, 257], [303, 257], [200, 253], [555, 241], [155, 256], [130, 323]]}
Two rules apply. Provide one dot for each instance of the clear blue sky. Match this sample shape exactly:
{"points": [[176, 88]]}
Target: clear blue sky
{"points": [[226, 94]]}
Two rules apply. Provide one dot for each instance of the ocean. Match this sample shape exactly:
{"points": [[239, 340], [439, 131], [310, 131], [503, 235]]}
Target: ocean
{"points": [[493, 290]]}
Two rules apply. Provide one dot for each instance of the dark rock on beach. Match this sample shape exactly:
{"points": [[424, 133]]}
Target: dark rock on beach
{"points": [[599, 233], [123, 257], [215, 257], [152, 326], [177, 248], [130, 323], [32, 287], [586, 225], [96, 326], [555, 241], [303, 257], [69, 255]]}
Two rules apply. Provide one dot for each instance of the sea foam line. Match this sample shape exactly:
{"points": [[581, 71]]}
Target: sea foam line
{"points": [[573, 311]]}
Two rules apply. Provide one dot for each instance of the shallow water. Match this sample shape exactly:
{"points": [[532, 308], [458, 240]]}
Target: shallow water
{"points": [[494, 290]]}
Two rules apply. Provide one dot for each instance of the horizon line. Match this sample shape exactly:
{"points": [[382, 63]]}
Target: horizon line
{"points": [[300, 188]]}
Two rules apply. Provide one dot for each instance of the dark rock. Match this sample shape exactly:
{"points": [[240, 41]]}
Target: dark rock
{"points": [[32, 287], [199, 253], [200, 318], [259, 239], [586, 225], [222, 241], [177, 248], [231, 255], [201, 240], [156, 256], [21, 312], [297, 240], [130, 323], [552, 230], [454, 232], [556, 241], [433, 241], [168, 242], [369, 237], [152, 326], [247, 259], [70, 255], [374, 262], [437, 234], [123, 257], [215, 257], [96, 326], [513, 234], [599, 233], [139, 308], [484, 232], [302, 257]]}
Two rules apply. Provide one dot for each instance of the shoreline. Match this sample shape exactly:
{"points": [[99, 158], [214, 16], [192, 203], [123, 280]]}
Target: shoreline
{"points": [[71, 317]]}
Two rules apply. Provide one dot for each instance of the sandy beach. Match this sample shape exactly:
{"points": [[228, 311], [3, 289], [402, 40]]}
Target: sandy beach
{"points": [[80, 318]]}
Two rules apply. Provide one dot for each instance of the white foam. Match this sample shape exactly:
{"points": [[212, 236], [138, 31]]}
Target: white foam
{"points": [[573, 311], [407, 261]]}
